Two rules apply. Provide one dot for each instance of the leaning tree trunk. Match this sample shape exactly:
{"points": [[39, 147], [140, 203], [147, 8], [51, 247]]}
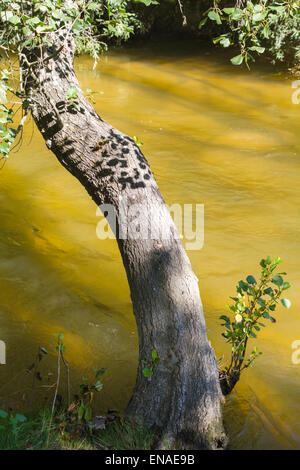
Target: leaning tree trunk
{"points": [[182, 398]]}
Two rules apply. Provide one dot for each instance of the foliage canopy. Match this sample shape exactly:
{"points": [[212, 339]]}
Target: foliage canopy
{"points": [[28, 25], [258, 26]]}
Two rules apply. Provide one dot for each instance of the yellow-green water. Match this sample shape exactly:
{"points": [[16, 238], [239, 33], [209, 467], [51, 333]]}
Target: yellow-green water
{"points": [[213, 134]]}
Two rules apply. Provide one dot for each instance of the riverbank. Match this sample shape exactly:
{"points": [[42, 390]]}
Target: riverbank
{"points": [[39, 432]]}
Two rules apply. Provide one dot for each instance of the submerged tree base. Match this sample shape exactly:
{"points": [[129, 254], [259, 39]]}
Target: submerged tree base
{"points": [[228, 381], [168, 441]]}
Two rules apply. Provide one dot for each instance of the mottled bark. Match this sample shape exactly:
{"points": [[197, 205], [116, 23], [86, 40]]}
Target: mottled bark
{"points": [[183, 397]]}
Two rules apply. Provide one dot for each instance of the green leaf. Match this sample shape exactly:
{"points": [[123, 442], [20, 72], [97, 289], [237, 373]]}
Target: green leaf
{"points": [[258, 8], [202, 23], [261, 302], [71, 93], [258, 17], [228, 11], [225, 318], [279, 9], [43, 29], [42, 8], [263, 263], [225, 42], [100, 372], [147, 372], [34, 21], [15, 19], [286, 303], [277, 280], [251, 280], [76, 106], [266, 32], [93, 6], [77, 26], [3, 414], [81, 411], [214, 16], [237, 14], [4, 148], [59, 336], [269, 291], [98, 386], [147, 2], [6, 15], [88, 412], [237, 60], [259, 50], [154, 354], [20, 418], [243, 285]]}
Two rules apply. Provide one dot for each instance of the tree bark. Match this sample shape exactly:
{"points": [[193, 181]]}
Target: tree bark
{"points": [[182, 399]]}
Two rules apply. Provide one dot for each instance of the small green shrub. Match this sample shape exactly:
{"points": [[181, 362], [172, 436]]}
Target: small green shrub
{"points": [[254, 303]]}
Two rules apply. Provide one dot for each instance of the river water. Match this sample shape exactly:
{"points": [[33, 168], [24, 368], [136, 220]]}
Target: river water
{"points": [[215, 135]]}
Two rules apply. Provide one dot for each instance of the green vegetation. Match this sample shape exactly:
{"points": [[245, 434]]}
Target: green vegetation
{"points": [[255, 302], [32, 433], [27, 25], [72, 425], [264, 26], [79, 412], [149, 366]]}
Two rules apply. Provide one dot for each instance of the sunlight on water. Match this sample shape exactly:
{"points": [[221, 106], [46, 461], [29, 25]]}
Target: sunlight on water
{"points": [[214, 135]]}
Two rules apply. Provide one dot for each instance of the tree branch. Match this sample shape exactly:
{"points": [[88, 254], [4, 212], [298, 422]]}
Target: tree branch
{"points": [[184, 20]]}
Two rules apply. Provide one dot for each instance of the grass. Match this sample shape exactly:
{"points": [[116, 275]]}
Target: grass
{"points": [[121, 434], [126, 435]]}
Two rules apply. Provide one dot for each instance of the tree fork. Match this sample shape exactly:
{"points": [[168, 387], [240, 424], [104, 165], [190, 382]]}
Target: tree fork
{"points": [[182, 398]]}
